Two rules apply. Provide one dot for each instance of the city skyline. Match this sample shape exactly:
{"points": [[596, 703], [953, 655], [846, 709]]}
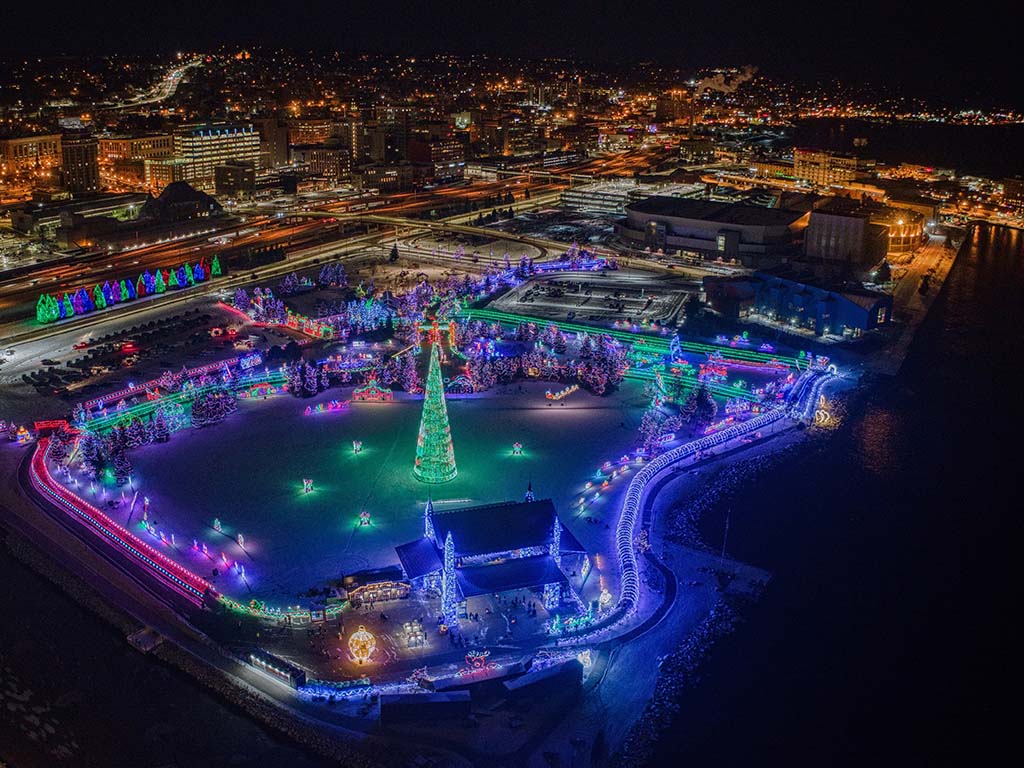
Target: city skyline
{"points": [[549, 385], [904, 45]]}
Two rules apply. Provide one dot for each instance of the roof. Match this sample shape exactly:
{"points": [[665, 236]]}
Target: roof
{"points": [[517, 573], [500, 527], [708, 210], [864, 299], [419, 558], [485, 530]]}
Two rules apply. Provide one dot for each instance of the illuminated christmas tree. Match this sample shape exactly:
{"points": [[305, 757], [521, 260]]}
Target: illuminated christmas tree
{"points": [[449, 585], [428, 522], [435, 456]]}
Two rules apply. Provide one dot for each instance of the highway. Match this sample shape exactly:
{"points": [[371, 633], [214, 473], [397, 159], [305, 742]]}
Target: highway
{"points": [[301, 228], [166, 87]]}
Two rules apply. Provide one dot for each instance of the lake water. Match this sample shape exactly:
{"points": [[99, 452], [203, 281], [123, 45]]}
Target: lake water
{"points": [[884, 636], [987, 150]]}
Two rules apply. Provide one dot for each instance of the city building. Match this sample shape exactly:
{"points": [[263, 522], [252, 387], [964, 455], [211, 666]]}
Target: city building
{"points": [[205, 146], [1013, 192], [446, 157], [235, 178], [388, 177], [612, 197], [159, 172], [754, 236], [782, 298], [905, 228], [352, 132], [824, 168], [331, 160], [773, 168], [273, 142], [115, 147], [671, 106], [42, 219], [80, 166], [30, 156], [389, 132], [844, 241], [697, 150], [122, 157], [309, 130]]}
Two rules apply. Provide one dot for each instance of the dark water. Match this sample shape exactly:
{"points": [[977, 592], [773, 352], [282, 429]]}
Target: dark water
{"points": [[985, 150], [73, 693], [884, 637]]}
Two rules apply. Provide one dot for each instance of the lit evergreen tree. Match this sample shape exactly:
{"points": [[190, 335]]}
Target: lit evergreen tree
{"points": [[435, 455], [161, 434], [122, 466]]}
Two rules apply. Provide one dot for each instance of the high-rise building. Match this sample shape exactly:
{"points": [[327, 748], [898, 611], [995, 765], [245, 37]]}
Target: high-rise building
{"points": [[203, 147], [672, 105], [309, 130], [273, 142], [80, 164], [446, 157], [390, 138], [352, 132]]}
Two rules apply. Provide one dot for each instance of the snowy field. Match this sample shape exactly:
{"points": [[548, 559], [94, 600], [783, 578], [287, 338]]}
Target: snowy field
{"points": [[248, 471]]}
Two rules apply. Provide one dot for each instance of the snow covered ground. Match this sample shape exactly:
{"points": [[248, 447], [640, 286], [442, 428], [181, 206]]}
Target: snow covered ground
{"points": [[248, 471]]}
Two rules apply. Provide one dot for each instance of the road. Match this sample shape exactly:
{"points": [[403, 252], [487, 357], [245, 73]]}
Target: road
{"points": [[910, 306], [164, 89]]}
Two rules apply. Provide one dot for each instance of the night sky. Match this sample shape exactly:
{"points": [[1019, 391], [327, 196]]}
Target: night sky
{"points": [[966, 55]]}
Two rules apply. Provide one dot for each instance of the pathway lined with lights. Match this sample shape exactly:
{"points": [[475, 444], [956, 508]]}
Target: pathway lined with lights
{"points": [[802, 404]]}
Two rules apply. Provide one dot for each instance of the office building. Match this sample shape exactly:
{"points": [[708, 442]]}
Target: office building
{"points": [[309, 130], [203, 147], [273, 142], [30, 155], [116, 147], [160, 172], [331, 160], [671, 106], [446, 158], [235, 178], [80, 166]]}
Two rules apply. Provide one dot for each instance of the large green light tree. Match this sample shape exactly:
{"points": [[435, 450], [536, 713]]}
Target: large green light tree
{"points": [[435, 456]]}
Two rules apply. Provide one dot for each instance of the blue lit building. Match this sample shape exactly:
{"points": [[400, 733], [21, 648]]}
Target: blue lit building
{"points": [[495, 548], [781, 297]]}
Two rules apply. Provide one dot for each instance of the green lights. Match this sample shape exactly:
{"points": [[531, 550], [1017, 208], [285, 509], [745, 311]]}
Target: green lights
{"points": [[435, 456]]}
